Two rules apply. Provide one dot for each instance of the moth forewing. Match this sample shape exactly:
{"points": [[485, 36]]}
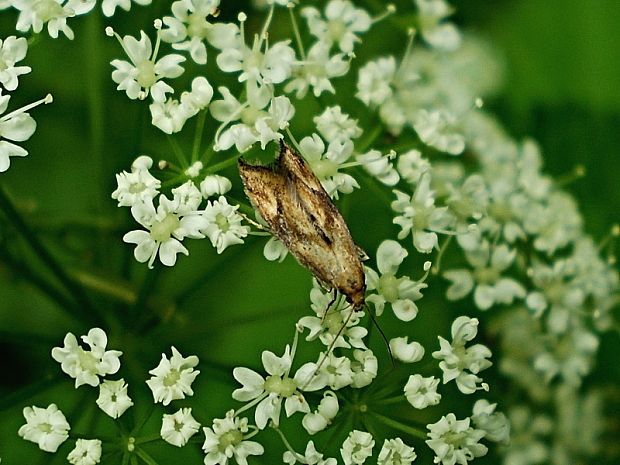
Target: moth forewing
{"points": [[299, 212]]}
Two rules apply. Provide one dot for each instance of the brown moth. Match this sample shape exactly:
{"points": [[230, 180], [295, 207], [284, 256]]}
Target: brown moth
{"points": [[299, 212]]}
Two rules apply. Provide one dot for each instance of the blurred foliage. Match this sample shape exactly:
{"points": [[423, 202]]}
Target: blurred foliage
{"points": [[562, 88]]}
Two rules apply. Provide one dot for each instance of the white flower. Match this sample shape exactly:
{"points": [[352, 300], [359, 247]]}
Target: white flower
{"points": [[276, 387], [226, 439], [438, 33], [136, 187], [454, 441], [167, 226], [364, 368], [422, 392], [412, 165], [310, 457], [275, 250], [420, 217], [456, 360], [189, 27], [437, 128], [224, 226], [321, 418], [407, 352], [172, 379], [334, 125], [113, 398], [12, 50], [33, 14], [341, 25], [379, 166], [316, 70], [86, 452], [490, 286], [335, 372], [214, 184], [176, 429], [87, 365], [109, 6], [326, 163], [495, 424], [374, 81], [401, 293], [357, 447], [396, 452], [144, 75], [47, 427], [16, 126]]}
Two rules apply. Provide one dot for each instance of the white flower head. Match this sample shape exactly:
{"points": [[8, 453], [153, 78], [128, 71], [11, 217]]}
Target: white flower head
{"points": [[12, 50], [422, 392], [374, 81], [47, 427], [113, 398], [396, 452], [364, 368], [176, 429], [109, 6], [405, 351], [310, 457], [322, 417], [172, 379], [87, 365], [144, 74], [86, 452], [138, 186], [335, 125], [379, 166], [224, 226], [438, 129], [214, 184], [463, 364], [439, 33], [454, 441], [341, 25], [401, 293], [495, 424], [335, 371], [34, 14], [226, 439], [357, 447]]}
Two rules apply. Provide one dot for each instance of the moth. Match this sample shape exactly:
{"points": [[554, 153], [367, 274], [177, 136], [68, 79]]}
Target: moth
{"points": [[299, 212]]}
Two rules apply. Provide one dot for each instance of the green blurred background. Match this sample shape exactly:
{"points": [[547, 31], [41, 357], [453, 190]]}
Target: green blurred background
{"points": [[562, 87]]}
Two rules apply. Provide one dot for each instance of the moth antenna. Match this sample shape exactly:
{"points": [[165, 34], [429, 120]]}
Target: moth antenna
{"points": [[383, 336]]}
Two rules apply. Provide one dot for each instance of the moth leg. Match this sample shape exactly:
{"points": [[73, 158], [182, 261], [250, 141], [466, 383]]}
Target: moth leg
{"points": [[256, 224], [331, 302]]}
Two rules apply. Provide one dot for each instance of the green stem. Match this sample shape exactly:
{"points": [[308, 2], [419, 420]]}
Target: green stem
{"points": [[178, 152], [200, 126], [415, 432], [88, 311], [223, 164], [390, 400], [145, 290], [146, 458]]}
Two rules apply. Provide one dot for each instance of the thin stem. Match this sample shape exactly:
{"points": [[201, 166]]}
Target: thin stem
{"points": [[223, 164], [418, 433], [145, 289], [178, 152], [200, 126], [47, 258], [390, 400], [296, 33]]}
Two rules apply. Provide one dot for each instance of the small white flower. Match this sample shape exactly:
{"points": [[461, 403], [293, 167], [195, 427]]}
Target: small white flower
{"points": [[321, 418], [226, 439], [87, 365], [176, 429], [224, 226], [456, 360], [335, 371], [422, 392], [86, 452], [364, 368], [275, 250], [310, 457], [139, 186], [437, 128], [374, 81], [495, 424], [194, 169], [113, 398], [34, 14], [405, 351], [334, 125], [454, 441], [109, 6], [412, 165], [401, 293], [214, 184], [379, 166], [357, 447], [396, 452], [145, 74], [12, 50], [47, 427], [440, 34], [172, 379], [341, 25]]}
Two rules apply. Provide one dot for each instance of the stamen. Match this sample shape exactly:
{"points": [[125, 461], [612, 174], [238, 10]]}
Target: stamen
{"points": [[45, 100], [389, 10]]}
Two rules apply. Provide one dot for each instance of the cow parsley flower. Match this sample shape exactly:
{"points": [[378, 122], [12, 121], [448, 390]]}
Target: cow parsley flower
{"points": [[322, 417], [335, 372], [176, 429], [224, 226], [87, 365], [12, 50], [109, 6], [310, 457], [34, 14], [364, 368], [113, 398], [440, 34], [334, 125], [86, 452], [437, 128], [357, 447], [401, 293], [379, 166], [47, 427], [374, 81], [188, 28], [145, 73], [214, 184], [457, 360], [494, 424], [422, 392], [454, 441], [228, 438], [405, 351], [172, 379], [396, 452], [138, 186]]}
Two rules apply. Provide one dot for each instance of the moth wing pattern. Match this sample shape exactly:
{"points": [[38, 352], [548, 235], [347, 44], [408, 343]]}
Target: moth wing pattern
{"points": [[263, 187]]}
